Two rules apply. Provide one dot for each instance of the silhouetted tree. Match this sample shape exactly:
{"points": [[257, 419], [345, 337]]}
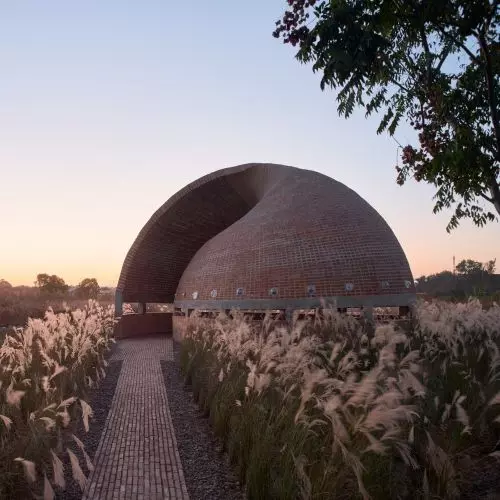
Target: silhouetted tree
{"points": [[4, 285], [51, 284], [469, 267], [490, 266], [87, 289], [435, 63], [472, 278]]}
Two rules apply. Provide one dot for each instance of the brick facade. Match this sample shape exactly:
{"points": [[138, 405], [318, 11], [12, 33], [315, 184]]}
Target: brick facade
{"points": [[132, 325], [264, 231]]}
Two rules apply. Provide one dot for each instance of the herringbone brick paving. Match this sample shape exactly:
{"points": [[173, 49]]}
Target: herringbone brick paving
{"points": [[137, 457]]}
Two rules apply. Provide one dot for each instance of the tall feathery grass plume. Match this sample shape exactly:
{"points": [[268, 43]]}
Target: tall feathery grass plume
{"points": [[338, 407], [46, 371]]}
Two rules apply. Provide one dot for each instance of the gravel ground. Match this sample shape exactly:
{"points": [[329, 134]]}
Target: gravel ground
{"points": [[100, 402], [482, 481], [207, 471]]}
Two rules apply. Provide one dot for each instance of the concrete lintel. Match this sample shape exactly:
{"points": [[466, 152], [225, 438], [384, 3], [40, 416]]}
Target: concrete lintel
{"points": [[396, 300]]}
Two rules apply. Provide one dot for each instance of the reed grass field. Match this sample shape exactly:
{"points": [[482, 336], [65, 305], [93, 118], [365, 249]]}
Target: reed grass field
{"points": [[46, 371], [329, 408]]}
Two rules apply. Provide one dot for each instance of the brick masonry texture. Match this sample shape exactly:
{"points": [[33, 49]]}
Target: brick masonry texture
{"points": [[136, 325], [137, 457], [260, 226]]}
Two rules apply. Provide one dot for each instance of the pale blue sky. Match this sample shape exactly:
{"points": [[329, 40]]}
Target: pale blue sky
{"points": [[108, 108]]}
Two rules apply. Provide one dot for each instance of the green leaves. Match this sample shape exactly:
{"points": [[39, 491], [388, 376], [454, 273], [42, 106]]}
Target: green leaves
{"points": [[376, 101], [385, 121], [434, 64]]}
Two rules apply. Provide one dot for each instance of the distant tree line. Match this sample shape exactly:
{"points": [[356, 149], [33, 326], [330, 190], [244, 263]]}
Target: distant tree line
{"points": [[471, 278], [18, 303], [53, 286], [88, 288]]}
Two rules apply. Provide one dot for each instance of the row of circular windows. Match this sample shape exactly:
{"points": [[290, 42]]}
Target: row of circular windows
{"points": [[311, 290]]}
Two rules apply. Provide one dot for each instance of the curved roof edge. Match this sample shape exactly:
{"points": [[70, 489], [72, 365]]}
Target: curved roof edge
{"points": [[204, 208], [169, 204]]}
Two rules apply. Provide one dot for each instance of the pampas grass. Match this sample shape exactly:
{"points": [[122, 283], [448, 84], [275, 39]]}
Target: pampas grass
{"points": [[330, 407], [78, 474], [29, 469], [46, 371], [58, 471]]}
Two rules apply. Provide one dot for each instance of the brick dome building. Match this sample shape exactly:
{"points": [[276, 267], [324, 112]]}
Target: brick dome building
{"points": [[260, 236]]}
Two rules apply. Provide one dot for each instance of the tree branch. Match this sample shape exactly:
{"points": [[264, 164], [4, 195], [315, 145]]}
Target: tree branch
{"points": [[409, 61], [444, 56], [495, 193], [492, 14], [491, 93], [487, 198], [458, 43], [428, 55], [422, 114], [402, 87]]}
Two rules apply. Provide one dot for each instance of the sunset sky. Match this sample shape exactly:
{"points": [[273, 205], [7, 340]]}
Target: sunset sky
{"points": [[108, 108]]}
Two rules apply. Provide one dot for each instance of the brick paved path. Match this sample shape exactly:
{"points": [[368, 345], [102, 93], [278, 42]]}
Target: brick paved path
{"points": [[137, 456]]}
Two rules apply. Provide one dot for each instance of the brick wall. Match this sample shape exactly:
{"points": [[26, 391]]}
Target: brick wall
{"points": [[262, 226], [134, 325]]}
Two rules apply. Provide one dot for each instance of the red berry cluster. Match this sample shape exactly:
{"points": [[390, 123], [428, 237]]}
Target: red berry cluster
{"points": [[292, 27], [431, 117], [413, 160]]}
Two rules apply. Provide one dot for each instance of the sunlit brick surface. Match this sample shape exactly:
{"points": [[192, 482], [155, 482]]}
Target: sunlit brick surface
{"points": [[137, 457], [263, 226]]}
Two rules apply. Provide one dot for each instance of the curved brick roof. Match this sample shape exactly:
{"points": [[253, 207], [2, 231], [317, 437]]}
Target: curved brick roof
{"points": [[265, 234]]}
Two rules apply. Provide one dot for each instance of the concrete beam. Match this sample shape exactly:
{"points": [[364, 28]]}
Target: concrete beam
{"points": [[395, 300]]}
